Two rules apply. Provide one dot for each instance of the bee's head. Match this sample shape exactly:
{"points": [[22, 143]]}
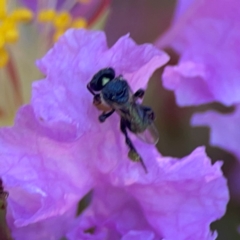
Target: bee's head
{"points": [[116, 91], [101, 78]]}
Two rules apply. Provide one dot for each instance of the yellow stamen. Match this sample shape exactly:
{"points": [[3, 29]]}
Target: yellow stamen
{"points": [[8, 27], [21, 15], [3, 14], [79, 23], [3, 57], [58, 33], [3, 5], [62, 20], [2, 40], [46, 15], [11, 35], [3, 10]]}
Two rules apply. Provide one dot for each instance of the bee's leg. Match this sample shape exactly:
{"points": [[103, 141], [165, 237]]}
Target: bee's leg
{"points": [[90, 90], [150, 113], [104, 115], [139, 93], [133, 154]]}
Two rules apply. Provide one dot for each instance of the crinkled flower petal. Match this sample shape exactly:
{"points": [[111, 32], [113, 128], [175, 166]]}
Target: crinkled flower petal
{"points": [[183, 195], [69, 66], [224, 129], [177, 201], [41, 175], [49, 228], [113, 213], [58, 150], [40, 162], [187, 80], [207, 38]]}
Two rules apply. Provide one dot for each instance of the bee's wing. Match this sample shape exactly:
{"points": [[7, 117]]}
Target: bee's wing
{"points": [[150, 135]]}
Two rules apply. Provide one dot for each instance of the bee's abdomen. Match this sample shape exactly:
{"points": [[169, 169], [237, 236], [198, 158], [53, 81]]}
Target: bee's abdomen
{"points": [[136, 120]]}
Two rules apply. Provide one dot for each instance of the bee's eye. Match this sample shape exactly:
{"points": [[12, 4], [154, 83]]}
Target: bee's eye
{"points": [[101, 78], [105, 80]]}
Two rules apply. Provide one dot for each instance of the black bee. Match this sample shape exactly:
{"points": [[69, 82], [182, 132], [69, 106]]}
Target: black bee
{"points": [[114, 94]]}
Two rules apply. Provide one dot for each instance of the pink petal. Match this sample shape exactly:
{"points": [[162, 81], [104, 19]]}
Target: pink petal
{"points": [[206, 35], [112, 214], [50, 228], [224, 129], [184, 197], [139, 235], [62, 102], [188, 81], [41, 175], [57, 151], [178, 200]]}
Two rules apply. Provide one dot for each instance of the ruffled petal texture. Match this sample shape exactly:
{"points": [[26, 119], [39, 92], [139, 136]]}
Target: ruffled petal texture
{"points": [[69, 66], [206, 35], [57, 151], [41, 175], [49, 228], [178, 200], [224, 129], [176, 197]]}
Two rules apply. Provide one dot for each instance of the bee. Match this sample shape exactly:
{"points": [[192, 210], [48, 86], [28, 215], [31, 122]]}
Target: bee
{"points": [[110, 94]]}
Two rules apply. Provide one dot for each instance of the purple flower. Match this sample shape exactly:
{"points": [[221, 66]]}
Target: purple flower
{"points": [[224, 129], [57, 151], [169, 203], [206, 35], [224, 134]]}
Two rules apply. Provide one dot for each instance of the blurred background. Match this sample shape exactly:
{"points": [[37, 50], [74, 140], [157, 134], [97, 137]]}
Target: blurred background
{"points": [[26, 36]]}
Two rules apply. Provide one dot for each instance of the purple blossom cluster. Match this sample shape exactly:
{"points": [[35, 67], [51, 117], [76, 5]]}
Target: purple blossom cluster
{"points": [[206, 35], [57, 151]]}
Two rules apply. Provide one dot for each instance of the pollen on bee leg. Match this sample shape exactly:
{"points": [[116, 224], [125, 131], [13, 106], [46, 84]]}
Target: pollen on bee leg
{"points": [[134, 156]]}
